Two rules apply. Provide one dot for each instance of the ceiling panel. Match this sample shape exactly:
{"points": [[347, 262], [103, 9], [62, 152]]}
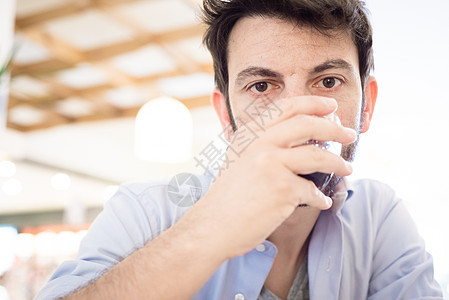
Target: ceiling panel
{"points": [[85, 60]]}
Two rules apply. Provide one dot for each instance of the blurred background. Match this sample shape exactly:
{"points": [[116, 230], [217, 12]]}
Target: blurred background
{"points": [[83, 69]]}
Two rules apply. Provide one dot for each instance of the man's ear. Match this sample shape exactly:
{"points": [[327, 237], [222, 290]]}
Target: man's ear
{"points": [[219, 104], [370, 98]]}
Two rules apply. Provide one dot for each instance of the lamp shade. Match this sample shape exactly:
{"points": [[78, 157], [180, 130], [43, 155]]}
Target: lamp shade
{"points": [[163, 131]]}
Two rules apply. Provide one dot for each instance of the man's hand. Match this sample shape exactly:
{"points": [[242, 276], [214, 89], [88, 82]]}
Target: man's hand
{"points": [[245, 204], [260, 188]]}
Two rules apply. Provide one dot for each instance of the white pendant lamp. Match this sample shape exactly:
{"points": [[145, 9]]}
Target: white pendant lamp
{"points": [[163, 131]]}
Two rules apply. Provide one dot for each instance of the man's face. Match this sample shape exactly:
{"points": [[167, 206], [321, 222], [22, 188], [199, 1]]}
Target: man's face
{"points": [[272, 59]]}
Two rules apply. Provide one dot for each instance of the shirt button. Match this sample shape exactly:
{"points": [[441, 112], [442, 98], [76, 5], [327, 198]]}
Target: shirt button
{"points": [[239, 297], [261, 248]]}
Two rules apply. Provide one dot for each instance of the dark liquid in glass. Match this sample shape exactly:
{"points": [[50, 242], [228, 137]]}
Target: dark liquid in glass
{"points": [[320, 179]]}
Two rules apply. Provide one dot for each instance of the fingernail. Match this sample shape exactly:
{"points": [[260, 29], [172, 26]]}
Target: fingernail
{"points": [[348, 166], [329, 202]]}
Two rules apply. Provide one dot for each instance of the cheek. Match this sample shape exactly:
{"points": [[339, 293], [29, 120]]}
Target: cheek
{"points": [[349, 110], [243, 109], [238, 110], [235, 106], [349, 116]]}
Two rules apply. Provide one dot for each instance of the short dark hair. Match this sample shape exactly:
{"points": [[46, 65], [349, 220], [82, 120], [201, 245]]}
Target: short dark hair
{"points": [[324, 15]]}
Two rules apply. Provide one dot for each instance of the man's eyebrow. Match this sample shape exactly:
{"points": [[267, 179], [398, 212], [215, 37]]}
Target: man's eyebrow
{"points": [[256, 71], [332, 64]]}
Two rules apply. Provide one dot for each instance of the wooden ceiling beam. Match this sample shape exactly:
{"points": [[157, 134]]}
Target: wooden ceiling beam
{"points": [[110, 51], [116, 77], [75, 6], [186, 65], [196, 102], [58, 48], [40, 68], [179, 34], [109, 3], [51, 120], [62, 11]]}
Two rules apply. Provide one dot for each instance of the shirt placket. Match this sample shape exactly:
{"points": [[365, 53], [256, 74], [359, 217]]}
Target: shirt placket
{"points": [[326, 257]]}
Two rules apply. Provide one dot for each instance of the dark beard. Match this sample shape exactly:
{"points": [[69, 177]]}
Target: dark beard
{"points": [[348, 154]]}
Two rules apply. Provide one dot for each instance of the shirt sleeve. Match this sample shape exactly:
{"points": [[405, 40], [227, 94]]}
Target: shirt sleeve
{"points": [[124, 226], [402, 269]]}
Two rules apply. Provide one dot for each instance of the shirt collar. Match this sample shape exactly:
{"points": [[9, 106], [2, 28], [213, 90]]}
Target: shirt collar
{"points": [[343, 191]]}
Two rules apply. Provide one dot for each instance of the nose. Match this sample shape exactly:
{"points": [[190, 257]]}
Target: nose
{"points": [[295, 86]]}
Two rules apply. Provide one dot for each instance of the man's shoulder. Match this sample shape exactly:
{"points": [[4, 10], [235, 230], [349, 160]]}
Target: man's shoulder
{"points": [[144, 188], [169, 197], [371, 187], [140, 188], [371, 197], [166, 186]]}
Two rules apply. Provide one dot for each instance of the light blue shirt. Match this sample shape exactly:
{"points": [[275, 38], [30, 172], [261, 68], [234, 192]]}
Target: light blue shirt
{"points": [[365, 247]]}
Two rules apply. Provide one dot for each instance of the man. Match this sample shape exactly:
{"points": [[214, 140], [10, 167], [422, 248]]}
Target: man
{"points": [[260, 231]]}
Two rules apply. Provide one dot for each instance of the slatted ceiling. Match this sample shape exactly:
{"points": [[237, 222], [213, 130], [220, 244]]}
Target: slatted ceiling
{"points": [[159, 16], [191, 48], [30, 52], [32, 8], [126, 97], [26, 115], [83, 76], [59, 49], [144, 62], [190, 56], [187, 86], [75, 108], [33, 57], [28, 88], [196, 3], [84, 60], [88, 30]]}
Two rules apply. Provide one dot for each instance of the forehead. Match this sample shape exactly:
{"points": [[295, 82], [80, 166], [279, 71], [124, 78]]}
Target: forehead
{"points": [[271, 42]]}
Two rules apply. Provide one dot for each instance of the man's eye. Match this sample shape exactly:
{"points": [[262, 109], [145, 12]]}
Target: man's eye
{"points": [[329, 82], [260, 87]]}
